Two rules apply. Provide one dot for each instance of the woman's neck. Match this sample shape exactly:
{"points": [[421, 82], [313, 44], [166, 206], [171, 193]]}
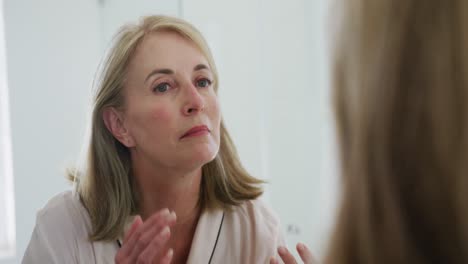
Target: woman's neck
{"points": [[162, 185], [179, 192]]}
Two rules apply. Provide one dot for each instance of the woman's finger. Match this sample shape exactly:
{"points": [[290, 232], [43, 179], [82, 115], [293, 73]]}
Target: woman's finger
{"points": [[305, 253], [141, 244], [168, 257], [140, 235], [154, 247], [123, 253], [286, 256], [273, 260], [136, 223], [157, 220], [161, 218]]}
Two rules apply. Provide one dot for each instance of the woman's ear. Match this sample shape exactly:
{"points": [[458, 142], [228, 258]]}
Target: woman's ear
{"points": [[113, 120]]}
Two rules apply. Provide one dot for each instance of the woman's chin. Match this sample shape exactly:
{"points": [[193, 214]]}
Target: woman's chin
{"points": [[202, 156]]}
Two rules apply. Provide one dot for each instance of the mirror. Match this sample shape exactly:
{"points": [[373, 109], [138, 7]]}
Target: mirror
{"points": [[272, 58]]}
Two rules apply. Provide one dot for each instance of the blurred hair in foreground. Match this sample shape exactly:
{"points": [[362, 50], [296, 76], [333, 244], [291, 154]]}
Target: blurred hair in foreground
{"points": [[400, 73]]}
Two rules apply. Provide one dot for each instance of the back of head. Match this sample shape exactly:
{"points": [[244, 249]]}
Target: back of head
{"points": [[400, 89]]}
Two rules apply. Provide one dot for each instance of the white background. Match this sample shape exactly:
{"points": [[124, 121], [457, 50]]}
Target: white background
{"points": [[273, 65], [7, 214]]}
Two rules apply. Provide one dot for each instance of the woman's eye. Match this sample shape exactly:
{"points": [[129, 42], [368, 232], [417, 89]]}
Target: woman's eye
{"points": [[161, 88], [203, 83]]}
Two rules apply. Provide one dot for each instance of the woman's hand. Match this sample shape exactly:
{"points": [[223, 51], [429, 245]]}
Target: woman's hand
{"points": [[288, 258], [144, 241]]}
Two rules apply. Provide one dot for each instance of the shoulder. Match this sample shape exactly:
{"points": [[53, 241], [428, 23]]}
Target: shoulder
{"points": [[256, 211], [255, 217], [251, 233], [63, 211], [61, 231]]}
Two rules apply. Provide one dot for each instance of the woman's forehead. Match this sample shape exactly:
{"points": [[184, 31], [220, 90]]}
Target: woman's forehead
{"points": [[166, 49]]}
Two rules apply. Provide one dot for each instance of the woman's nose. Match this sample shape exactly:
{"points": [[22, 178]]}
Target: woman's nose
{"points": [[194, 101]]}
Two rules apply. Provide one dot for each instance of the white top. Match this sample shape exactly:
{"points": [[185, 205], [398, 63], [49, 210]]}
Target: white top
{"points": [[250, 233]]}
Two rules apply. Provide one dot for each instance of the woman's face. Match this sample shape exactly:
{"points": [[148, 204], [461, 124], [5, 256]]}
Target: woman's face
{"points": [[172, 115]]}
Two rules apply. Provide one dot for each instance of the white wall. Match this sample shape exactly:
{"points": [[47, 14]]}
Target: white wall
{"points": [[52, 53], [114, 13], [7, 214], [299, 119]]}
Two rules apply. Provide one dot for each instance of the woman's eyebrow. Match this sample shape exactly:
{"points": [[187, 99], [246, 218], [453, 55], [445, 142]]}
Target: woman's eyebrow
{"points": [[169, 71], [159, 71], [201, 67]]}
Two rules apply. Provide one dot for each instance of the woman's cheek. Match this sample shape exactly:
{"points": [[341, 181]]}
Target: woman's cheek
{"points": [[161, 114], [216, 109]]}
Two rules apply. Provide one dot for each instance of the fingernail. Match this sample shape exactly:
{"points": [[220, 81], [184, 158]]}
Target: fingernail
{"points": [[166, 231], [173, 215], [300, 246], [170, 253], [282, 250], [273, 260], [165, 212], [137, 218]]}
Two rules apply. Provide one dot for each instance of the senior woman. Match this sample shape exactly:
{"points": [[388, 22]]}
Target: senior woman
{"points": [[163, 183]]}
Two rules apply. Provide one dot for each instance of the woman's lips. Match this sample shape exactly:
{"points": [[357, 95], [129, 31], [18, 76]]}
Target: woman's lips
{"points": [[196, 131]]}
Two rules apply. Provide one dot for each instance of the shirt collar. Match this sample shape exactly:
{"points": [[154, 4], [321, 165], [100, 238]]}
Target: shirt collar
{"points": [[206, 236]]}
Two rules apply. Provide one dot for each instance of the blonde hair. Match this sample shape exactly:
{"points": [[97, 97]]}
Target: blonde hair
{"points": [[401, 105], [106, 188]]}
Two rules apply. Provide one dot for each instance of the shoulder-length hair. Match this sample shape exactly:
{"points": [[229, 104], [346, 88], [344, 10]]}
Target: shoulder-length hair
{"points": [[401, 103], [106, 187]]}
